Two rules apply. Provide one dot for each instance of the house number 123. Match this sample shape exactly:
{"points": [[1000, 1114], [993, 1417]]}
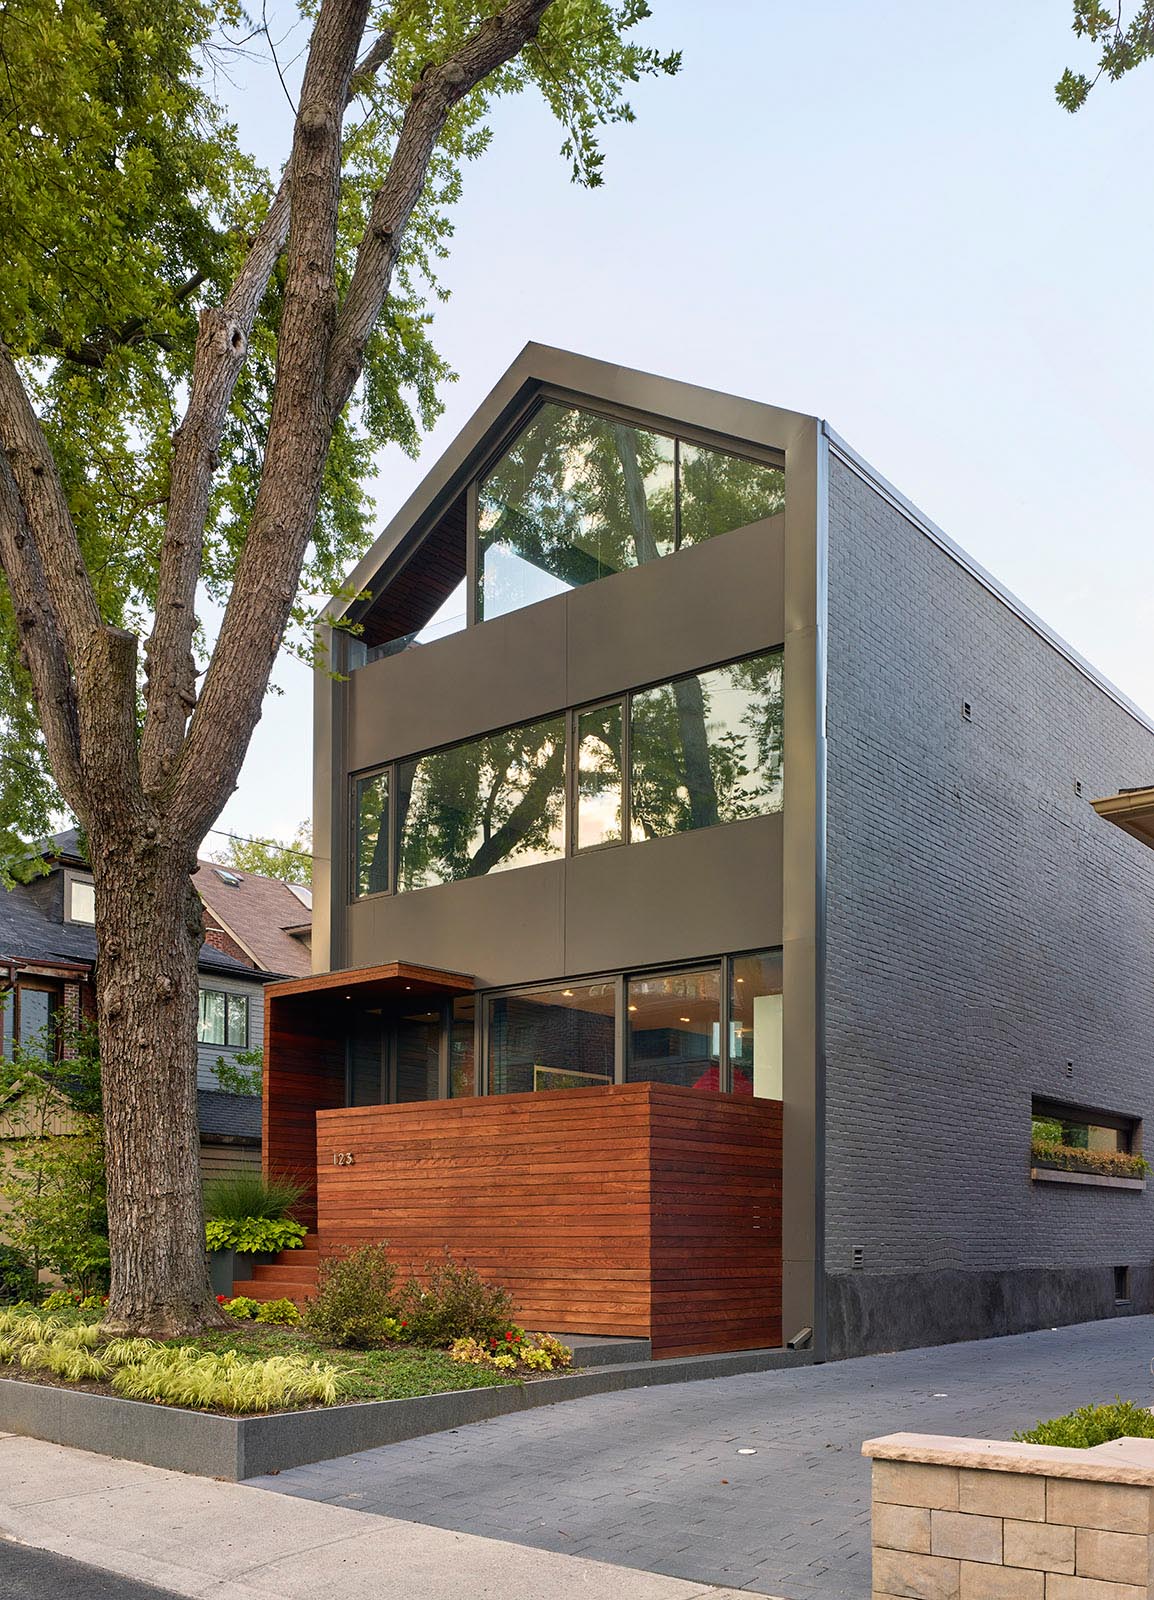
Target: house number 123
{"points": [[344, 1158]]}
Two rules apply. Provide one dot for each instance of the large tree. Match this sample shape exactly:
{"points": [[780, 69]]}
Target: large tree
{"points": [[196, 365]]}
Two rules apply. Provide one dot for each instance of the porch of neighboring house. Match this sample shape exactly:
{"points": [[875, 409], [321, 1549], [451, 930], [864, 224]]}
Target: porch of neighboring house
{"points": [[643, 1210]]}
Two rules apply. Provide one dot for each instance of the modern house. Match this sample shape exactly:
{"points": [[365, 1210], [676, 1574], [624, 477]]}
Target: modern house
{"points": [[48, 958], [708, 897]]}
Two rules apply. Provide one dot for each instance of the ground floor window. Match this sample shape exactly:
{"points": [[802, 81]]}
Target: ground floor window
{"points": [[29, 1016], [713, 1025], [552, 1038]]}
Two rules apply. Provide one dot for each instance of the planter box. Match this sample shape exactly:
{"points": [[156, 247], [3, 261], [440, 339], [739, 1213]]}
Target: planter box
{"points": [[985, 1518], [247, 1447], [229, 1267], [1097, 1180]]}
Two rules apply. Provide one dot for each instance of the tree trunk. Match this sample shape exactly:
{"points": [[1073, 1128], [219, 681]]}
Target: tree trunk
{"points": [[149, 931]]}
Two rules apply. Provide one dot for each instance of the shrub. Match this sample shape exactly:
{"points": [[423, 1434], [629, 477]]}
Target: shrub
{"points": [[283, 1311], [239, 1306], [1091, 1425], [243, 1195], [355, 1301], [254, 1235], [455, 1302], [17, 1279], [1071, 1158]]}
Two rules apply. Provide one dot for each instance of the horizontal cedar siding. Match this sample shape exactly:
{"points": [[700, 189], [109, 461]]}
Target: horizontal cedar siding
{"points": [[636, 1209]]}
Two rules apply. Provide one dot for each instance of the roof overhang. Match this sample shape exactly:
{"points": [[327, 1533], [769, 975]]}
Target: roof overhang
{"points": [[1132, 810], [393, 979]]}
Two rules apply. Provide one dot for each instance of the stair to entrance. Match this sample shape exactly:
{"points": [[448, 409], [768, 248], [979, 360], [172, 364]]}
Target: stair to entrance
{"points": [[292, 1276]]}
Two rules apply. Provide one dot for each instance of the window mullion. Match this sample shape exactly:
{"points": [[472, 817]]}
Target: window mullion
{"points": [[626, 769], [725, 1065]]}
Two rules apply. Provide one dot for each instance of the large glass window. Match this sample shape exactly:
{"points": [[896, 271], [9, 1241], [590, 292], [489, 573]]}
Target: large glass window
{"points": [[599, 785], [673, 1028], [578, 496], [372, 814], [552, 1039], [480, 807], [755, 1024], [707, 748]]}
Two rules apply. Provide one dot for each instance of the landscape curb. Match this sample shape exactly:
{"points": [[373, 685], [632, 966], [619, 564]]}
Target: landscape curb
{"points": [[235, 1448]]}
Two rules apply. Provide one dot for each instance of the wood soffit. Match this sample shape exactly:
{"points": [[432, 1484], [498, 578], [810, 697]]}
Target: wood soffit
{"points": [[392, 977], [1132, 810]]}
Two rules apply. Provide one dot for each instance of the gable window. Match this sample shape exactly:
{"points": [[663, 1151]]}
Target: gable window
{"points": [[578, 496], [223, 1019], [80, 899]]}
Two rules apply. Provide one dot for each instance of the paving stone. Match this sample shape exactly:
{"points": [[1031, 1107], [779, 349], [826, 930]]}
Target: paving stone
{"points": [[799, 1506]]}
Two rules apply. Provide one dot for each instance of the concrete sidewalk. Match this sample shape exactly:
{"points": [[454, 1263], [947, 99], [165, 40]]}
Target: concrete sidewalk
{"points": [[224, 1541]]}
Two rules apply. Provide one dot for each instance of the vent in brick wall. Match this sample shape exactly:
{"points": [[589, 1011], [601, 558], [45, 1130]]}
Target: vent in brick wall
{"points": [[967, 711], [1121, 1286], [858, 1257]]}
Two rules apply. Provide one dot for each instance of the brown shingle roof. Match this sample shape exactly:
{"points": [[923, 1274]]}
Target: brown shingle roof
{"points": [[257, 912]]}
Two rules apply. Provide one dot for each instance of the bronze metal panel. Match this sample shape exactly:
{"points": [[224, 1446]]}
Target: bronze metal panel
{"points": [[709, 603], [470, 683], [505, 928], [667, 900]]}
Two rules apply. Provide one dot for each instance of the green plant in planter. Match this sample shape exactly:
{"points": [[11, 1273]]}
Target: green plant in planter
{"points": [[1073, 1158], [253, 1236]]}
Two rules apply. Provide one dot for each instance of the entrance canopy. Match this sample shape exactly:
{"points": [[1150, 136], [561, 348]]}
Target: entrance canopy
{"points": [[1132, 810], [393, 979]]}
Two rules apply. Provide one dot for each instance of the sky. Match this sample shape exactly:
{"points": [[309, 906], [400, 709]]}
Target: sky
{"points": [[875, 213]]}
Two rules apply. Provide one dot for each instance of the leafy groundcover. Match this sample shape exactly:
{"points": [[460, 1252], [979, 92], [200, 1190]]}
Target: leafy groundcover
{"points": [[245, 1370]]}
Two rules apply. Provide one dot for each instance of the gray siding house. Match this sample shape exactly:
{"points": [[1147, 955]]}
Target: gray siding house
{"points": [[709, 761]]}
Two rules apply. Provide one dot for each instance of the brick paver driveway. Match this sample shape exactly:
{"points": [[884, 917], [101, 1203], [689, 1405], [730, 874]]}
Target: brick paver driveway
{"points": [[653, 1478]]}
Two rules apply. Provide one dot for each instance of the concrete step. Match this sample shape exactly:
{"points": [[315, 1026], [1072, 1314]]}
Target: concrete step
{"points": [[603, 1349]]}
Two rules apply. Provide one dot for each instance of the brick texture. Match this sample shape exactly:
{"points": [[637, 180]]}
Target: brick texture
{"points": [[985, 928]]}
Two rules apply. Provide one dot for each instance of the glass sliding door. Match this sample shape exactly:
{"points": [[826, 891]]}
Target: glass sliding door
{"points": [[552, 1038], [417, 1056], [673, 1028], [755, 1024]]}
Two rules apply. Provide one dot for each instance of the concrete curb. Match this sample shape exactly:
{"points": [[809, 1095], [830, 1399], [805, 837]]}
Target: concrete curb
{"points": [[234, 1448]]}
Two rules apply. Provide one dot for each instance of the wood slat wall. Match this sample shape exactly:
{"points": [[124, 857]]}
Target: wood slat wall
{"points": [[304, 1071], [636, 1209]]}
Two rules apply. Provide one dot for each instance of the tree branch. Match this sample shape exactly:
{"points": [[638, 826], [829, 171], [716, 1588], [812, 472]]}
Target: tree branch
{"points": [[221, 348], [435, 94], [41, 648], [46, 512], [319, 357]]}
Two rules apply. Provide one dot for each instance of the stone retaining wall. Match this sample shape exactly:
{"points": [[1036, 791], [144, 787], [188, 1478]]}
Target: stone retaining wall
{"points": [[974, 1519]]}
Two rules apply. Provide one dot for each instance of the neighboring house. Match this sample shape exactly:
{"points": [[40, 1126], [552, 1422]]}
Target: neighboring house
{"points": [[48, 958], [681, 768]]}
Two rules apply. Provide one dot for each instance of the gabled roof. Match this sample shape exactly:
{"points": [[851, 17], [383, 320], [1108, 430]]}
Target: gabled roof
{"points": [[32, 928], [258, 912], [576, 377]]}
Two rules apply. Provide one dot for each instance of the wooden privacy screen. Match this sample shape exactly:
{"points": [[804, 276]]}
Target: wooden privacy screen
{"points": [[636, 1209]]}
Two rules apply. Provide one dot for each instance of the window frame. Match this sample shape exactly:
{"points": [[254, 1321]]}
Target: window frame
{"points": [[1042, 1107], [229, 996], [722, 964], [569, 715]]}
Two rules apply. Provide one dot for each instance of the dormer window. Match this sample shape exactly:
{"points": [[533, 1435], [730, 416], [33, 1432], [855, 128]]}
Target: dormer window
{"points": [[79, 899]]}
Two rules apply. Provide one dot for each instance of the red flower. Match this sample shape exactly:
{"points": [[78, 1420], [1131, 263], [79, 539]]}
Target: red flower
{"points": [[508, 1336], [220, 1299]]}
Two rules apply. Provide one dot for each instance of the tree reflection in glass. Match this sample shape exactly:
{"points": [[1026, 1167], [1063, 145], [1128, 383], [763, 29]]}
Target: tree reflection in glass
{"points": [[480, 807], [707, 748], [578, 497]]}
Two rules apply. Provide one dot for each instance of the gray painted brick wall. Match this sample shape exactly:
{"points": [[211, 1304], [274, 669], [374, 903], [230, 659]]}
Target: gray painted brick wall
{"points": [[985, 928]]}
